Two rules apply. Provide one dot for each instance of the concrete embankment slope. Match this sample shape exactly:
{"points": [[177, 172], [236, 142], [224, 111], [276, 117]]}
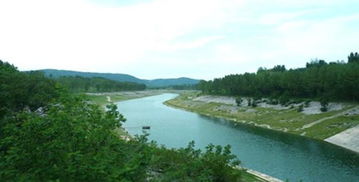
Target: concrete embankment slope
{"points": [[334, 126], [263, 176], [348, 139]]}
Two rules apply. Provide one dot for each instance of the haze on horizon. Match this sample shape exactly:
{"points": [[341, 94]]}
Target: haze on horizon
{"points": [[200, 39]]}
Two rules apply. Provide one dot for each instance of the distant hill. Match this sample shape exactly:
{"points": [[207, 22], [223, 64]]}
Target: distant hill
{"points": [[171, 82], [121, 78]]}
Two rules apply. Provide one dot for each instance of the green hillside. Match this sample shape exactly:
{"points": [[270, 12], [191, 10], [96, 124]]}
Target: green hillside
{"points": [[122, 78]]}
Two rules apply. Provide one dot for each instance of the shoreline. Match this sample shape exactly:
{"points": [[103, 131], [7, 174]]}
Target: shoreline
{"points": [[255, 176], [187, 105]]}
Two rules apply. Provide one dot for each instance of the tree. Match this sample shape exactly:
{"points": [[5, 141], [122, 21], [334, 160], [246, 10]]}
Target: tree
{"points": [[279, 68], [300, 108], [69, 139], [249, 102], [324, 105], [239, 101], [337, 82], [19, 91], [353, 58]]}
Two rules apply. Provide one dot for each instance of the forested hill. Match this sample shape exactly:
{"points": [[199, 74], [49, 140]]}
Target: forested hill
{"points": [[318, 80], [111, 76], [97, 84], [172, 82], [121, 78]]}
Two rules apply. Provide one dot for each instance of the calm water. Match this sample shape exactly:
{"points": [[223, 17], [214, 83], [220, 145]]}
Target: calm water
{"points": [[280, 155]]}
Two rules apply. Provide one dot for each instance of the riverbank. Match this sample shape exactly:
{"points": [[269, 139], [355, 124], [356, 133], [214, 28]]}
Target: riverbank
{"points": [[112, 97], [105, 98], [310, 122], [348, 139]]}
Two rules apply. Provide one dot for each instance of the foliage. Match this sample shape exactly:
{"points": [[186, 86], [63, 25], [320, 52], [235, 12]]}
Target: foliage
{"points": [[74, 141], [239, 101], [97, 84], [334, 81], [156, 83], [71, 139], [190, 164], [353, 58], [24, 91], [324, 104], [300, 108]]}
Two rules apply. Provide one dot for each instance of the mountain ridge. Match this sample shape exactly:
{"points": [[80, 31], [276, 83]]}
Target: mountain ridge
{"points": [[161, 82]]}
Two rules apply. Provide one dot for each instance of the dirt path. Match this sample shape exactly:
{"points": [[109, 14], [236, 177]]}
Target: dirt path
{"points": [[330, 117], [348, 139]]}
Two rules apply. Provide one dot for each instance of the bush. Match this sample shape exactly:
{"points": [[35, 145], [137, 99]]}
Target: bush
{"points": [[324, 104], [300, 108], [254, 104], [239, 101], [283, 100], [74, 140], [249, 102]]}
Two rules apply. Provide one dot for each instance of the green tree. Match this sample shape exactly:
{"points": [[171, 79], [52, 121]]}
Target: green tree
{"points": [[53, 135], [337, 82], [324, 105], [239, 101]]}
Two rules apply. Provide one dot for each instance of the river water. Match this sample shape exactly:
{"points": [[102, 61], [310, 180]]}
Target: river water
{"points": [[281, 155]]}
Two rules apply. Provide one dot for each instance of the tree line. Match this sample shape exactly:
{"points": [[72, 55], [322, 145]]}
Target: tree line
{"points": [[97, 84], [336, 81], [50, 134]]}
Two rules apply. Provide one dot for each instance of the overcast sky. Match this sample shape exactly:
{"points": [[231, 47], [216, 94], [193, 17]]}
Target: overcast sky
{"points": [[201, 39]]}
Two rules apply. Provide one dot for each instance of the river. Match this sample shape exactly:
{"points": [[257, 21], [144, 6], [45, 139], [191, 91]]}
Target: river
{"points": [[281, 155]]}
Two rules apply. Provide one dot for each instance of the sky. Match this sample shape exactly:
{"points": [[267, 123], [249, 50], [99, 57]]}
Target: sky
{"points": [[150, 39]]}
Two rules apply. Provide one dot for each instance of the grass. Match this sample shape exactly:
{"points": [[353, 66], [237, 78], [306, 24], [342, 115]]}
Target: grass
{"points": [[98, 99], [288, 120], [332, 126], [101, 98]]}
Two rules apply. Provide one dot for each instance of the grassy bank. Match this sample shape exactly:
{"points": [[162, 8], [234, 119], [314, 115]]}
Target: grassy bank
{"points": [[287, 120], [111, 97]]}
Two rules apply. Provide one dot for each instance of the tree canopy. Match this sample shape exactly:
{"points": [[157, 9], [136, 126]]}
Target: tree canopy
{"points": [[334, 81], [48, 134], [97, 84]]}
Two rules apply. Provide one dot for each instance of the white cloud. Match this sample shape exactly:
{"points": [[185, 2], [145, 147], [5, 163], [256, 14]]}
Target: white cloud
{"points": [[48, 33], [215, 36]]}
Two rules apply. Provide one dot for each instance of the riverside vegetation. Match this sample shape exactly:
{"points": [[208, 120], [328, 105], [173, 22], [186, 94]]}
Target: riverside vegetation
{"points": [[50, 134], [291, 90], [287, 119]]}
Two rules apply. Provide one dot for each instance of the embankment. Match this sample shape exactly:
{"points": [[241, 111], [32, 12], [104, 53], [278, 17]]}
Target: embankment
{"points": [[309, 121]]}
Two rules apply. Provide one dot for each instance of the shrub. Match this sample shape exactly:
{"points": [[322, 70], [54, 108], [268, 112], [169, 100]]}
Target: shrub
{"points": [[300, 108], [239, 101], [324, 104], [249, 102]]}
